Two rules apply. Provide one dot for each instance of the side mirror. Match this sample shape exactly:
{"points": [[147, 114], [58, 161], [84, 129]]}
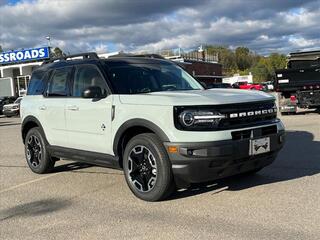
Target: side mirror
{"points": [[92, 92]]}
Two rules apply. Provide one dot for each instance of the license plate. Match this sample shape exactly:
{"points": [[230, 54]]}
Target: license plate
{"points": [[258, 146]]}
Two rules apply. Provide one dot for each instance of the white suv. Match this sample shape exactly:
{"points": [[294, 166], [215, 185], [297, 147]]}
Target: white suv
{"points": [[148, 117]]}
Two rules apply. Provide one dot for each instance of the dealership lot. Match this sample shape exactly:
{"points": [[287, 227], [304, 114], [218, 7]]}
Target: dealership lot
{"points": [[79, 201]]}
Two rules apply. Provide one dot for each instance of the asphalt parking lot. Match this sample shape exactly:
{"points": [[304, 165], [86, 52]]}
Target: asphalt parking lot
{"points": [[79, 201]]}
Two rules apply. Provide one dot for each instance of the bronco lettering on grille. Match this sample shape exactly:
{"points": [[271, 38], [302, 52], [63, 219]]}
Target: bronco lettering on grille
{"points": [[253, 113]]}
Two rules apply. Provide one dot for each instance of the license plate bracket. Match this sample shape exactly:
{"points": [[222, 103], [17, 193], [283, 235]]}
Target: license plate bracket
{"points": [[259, 146]]}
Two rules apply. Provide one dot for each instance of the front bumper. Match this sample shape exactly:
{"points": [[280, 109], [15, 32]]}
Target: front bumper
{"points": [[11, 112], [290, 108], [206, 161]]}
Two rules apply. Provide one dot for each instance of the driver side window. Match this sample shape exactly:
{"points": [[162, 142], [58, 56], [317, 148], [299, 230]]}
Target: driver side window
{"points": [[87, 76]]}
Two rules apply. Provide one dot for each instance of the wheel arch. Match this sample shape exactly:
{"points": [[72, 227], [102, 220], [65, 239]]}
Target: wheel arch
{"points": [[28, 123], [132, 128]]}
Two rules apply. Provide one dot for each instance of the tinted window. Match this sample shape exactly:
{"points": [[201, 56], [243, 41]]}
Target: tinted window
{"points": [[87, 76], [144, 78], [58, 85], [37, 84]]}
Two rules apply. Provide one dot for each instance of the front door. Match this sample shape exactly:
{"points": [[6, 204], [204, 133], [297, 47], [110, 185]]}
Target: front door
{"points": [[52, 106], [89, 120]]}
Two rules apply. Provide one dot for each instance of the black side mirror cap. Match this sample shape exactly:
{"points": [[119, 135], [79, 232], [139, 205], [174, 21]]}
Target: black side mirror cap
{"points": [[92, 92]]}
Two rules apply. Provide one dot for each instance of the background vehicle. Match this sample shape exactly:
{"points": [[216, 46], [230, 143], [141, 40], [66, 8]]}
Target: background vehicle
{"points": [[12, 109], [299, 84], [218, 85], [148, 117], [248, 86], [4, 101], [267, 86]]}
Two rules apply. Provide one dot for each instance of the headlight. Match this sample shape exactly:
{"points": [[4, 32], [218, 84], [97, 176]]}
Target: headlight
{"points": [[199, 119], [15, 107]]}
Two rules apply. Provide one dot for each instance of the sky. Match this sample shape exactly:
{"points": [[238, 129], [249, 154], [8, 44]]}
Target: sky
{"points": [[149, 25]]}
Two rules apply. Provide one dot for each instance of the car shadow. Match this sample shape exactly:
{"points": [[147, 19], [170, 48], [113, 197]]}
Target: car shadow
{"points": [[74, 167], [35, 208], [71, 167], [300, 157]]}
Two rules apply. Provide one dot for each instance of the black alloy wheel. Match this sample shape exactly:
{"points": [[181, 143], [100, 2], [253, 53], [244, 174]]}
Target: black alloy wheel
{"points": [[142, 168], [34, 151], [37, 156], [147, 168]]}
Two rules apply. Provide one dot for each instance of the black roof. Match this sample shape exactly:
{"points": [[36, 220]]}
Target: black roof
{"points": [[92, 58]]}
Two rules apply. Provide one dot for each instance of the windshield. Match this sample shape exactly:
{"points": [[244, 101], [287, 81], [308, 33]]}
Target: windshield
{"points": [[144, 78], [18, 100]]}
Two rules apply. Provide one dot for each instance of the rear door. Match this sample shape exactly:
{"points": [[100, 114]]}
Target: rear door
{"points": [[89, 120]]}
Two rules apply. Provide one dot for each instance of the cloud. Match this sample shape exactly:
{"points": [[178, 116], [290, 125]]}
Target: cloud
{"points": [[263, 26]]}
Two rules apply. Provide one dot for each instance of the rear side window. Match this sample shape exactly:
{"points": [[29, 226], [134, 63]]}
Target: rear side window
{"points": [[37, 83], [58, 85]]}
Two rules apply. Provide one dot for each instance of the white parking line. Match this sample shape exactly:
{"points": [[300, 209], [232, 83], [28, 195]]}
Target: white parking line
{"points": [[26, 183]]}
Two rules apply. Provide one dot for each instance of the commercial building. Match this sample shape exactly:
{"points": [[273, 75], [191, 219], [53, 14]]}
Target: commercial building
{"points": [[201, 65], [16, 67]]}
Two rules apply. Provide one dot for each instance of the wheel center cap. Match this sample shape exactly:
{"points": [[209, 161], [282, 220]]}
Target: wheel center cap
{"points": [[143, 168]]}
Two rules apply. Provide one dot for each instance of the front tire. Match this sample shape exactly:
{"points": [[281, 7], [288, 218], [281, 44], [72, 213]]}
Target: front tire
{"points": [[147, 168], [37, 156]]}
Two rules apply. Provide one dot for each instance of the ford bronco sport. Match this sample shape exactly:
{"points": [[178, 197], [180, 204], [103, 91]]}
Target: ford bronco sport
{"points": [[148, 117]]}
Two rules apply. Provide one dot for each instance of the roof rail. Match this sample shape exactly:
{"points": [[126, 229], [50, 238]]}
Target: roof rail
{"points": [[137, 55], [87, 55], [152, 55]]}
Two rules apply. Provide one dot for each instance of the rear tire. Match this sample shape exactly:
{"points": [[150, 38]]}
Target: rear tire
{"points": [[37, 156], [147, 168]]}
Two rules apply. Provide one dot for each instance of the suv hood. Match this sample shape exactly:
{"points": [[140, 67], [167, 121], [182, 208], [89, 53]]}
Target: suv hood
{"points": [[196, 97]]}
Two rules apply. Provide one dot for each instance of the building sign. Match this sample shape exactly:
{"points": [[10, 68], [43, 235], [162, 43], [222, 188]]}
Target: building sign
{"points": [[24, 55]]}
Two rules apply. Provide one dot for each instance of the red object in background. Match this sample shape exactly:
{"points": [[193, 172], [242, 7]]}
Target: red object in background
{"points": [[293, 98], [249, 86]]}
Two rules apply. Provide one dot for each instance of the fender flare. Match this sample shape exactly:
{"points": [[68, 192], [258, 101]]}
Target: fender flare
{"points": [[138, 122], [28, 120]]}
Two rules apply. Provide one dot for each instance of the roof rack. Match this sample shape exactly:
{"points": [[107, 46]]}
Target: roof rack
{"points": [[137, 55], [87, 55], [149, 56]]}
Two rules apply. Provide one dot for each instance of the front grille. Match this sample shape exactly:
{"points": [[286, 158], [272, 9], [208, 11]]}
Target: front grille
{"points": [[239, 135], [235, 116], [269, 130], [247, 114], [257, 132]]}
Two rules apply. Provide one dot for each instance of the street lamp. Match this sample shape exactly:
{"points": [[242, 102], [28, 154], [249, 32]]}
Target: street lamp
{"points": [[49, 41]]}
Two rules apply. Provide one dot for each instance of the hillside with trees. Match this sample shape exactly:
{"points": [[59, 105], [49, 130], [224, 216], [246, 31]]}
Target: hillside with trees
{"points": [[242, 60]]}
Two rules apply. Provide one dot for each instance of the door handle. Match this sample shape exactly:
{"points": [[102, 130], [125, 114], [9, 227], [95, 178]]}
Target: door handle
{"points": [[73, 108], [42, 107]]}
